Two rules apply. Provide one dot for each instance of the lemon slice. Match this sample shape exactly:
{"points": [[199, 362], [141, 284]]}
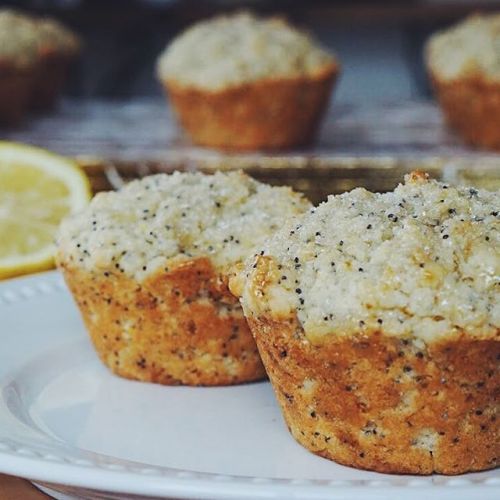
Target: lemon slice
{"points": [[37, 189]]}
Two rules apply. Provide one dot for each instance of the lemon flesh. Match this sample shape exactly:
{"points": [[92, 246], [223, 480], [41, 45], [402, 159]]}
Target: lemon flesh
{"points": [[37, 190]]}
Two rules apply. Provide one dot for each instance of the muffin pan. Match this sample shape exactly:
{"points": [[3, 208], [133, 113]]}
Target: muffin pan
{"points": [[315, 177]]}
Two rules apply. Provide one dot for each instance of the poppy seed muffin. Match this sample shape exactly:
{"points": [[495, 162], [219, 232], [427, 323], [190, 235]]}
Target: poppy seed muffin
{"points": [[148, 267], [244, 82], [34, 58], [18, 65], [464, 66], [377, 317]]}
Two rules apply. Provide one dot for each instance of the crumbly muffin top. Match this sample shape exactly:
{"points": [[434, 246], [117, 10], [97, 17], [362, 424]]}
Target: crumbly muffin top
{"points": [[162, 220], [231, 50], [470, 48], [17, 38], [23, 39], [422, 261]]}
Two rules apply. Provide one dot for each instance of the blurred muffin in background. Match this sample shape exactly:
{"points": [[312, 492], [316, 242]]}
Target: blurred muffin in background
{"points": [[18, 65], [243, 82], [34, 58], [464, 67]]}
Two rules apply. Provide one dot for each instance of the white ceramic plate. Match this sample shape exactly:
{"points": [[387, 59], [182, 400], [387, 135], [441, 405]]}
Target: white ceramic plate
{"points": [[66, 422]]}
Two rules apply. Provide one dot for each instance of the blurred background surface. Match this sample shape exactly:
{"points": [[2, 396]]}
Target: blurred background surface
{"points": [[379, 42], [114, 107]]}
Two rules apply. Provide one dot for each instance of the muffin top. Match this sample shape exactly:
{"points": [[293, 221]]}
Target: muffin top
{"points": [[422, 261], [162, 220], [17, 39], [23, 39], [471, 48], [232, 50]]}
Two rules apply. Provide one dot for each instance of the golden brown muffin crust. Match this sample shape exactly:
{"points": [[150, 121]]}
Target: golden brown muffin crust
{"points": [[382, 403], [270, 114], [471, 106], [177, 327]]}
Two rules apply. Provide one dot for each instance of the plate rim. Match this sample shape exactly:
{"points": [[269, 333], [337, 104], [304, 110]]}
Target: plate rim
{"points": [[185, 484]]}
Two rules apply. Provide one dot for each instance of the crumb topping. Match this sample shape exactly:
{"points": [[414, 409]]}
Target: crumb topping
{"points": [[469, 48], [23, 38], [423, 260], [17, 42], [163, 219], [230, 50]]}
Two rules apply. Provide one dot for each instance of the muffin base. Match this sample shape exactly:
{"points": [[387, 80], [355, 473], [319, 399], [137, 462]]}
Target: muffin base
{"points": [[471, 106], [266, 114], [379, 403], [15, 94], [180, 326]]}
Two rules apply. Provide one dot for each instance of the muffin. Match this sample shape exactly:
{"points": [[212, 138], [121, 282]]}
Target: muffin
{"points": [[377, 317], [34, 58], [464, 66], [18, 60], [242, 82], [148, 268]]}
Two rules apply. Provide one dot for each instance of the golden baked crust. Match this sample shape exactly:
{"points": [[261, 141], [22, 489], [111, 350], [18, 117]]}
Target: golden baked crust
{"points": [[177, 327], [471, 106], [380, 403], [266, 114]]}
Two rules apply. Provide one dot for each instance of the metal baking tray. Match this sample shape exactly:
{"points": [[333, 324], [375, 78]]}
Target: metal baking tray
{"points": [[315, 177]]}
